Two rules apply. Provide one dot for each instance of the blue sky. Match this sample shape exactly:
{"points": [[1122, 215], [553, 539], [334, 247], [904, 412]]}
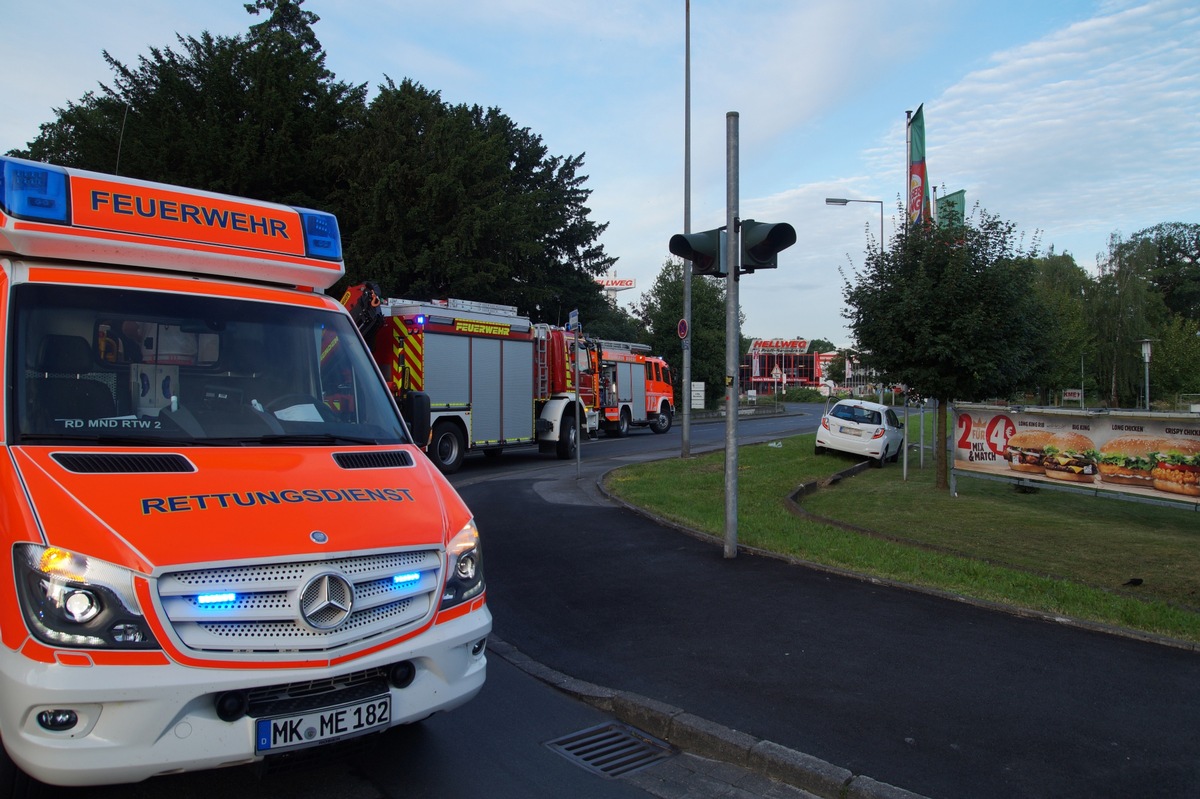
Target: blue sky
{"points": [[1074, 120]]}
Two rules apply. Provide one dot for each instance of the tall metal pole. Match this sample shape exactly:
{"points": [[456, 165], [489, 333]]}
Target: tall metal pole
{"points": [[907, 165], [881, 228], [1146, 359], [732, 332], [685, 390]]}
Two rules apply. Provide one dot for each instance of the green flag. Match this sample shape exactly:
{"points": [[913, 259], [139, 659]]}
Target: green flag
{"points": [[918, 179]]}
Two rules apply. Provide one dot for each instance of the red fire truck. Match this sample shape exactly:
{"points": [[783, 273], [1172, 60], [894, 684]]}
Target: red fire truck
{"points": [[493, 378], [634, 388]]}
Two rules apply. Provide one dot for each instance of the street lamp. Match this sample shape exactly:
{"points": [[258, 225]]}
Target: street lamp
{"points": [[843, 201], [1146, 360]]}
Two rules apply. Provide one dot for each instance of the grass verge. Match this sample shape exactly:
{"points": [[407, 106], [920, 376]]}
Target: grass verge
{"points": [[1047, 551]]}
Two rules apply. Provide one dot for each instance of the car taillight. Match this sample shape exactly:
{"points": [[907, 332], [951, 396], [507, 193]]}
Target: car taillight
{"points": [[879, 433], [825, 422]]}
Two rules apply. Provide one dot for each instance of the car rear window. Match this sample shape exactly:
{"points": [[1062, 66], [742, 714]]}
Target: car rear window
{"points": [[854, 413]]}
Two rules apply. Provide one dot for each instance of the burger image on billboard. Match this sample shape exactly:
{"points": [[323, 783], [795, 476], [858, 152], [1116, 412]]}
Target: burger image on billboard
{"points": [[1026, 449], [1178, 467], [1128, 460], [1070, 456]]}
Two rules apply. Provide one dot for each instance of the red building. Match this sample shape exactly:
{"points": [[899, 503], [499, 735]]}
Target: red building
{"points": [[774, 364]]}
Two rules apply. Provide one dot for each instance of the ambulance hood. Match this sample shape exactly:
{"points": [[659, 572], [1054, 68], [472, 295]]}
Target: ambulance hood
{"points": [[219, 504]]}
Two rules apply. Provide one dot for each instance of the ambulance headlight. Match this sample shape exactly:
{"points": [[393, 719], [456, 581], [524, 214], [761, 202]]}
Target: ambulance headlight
{"points": [[464, 567], [70, 599]]}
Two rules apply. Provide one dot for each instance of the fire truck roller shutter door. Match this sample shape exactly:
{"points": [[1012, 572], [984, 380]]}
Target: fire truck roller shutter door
{"points": [[486, 392], [625, 382], [447, 380], [638, 386], [517, 422]]}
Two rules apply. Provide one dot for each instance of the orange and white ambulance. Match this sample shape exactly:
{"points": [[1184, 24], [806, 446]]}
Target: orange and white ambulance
{"points": [[221, 542]]}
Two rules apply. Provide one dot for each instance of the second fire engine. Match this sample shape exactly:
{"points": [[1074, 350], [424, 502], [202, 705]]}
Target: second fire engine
{"points": [[494, 379]]}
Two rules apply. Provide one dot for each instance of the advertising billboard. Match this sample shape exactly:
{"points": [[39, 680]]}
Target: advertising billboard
{"points": [[1141, 455]]}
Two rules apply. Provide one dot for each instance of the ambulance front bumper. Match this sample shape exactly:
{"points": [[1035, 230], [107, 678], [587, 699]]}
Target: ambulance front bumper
{"points": [[135, 722]]}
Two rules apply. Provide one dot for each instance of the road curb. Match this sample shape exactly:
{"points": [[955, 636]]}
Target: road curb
{"points": [[704, 738]]}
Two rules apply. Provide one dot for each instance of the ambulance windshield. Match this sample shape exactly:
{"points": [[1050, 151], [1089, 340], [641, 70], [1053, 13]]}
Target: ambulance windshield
{"points": [[107, 365]]}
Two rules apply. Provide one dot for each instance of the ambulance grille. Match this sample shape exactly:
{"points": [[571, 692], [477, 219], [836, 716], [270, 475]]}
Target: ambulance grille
{"points": [[122, 463], [257, 608], [391, 459]]}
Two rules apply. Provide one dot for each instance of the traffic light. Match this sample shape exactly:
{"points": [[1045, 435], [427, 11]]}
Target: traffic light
{"points": [[706, 251], [762, 242]]}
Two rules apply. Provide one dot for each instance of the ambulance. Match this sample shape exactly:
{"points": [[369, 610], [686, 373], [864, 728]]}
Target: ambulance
{"points": [[222, 545]]}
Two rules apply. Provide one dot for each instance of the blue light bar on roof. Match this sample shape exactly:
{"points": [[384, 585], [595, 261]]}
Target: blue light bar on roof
{"points": [[321, 236], [33, 191]]}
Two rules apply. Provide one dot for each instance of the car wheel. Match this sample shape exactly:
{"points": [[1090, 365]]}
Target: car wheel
{"points": [[818, 450]]}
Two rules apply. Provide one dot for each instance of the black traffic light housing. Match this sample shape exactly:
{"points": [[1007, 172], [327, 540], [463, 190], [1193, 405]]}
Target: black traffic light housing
{"points": [[762, 243], [706, 251]]}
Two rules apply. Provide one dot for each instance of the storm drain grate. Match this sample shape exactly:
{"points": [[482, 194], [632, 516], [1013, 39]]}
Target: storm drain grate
{"points": [[612, 750]]}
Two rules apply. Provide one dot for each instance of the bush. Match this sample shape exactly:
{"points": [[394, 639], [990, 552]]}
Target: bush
{"points": [[803, 394]]}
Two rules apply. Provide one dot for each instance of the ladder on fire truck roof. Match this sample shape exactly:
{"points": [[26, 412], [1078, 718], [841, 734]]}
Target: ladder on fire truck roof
{"points": [[623, 346], [470, 306]]}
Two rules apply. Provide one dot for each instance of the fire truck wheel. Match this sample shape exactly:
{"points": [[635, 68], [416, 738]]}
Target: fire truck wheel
{"points": [[621, 428], [568, 437], [447, 447], [662, 422]]}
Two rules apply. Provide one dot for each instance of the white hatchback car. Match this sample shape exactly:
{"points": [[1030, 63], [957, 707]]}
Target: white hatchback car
{"points": [[861, 428]]}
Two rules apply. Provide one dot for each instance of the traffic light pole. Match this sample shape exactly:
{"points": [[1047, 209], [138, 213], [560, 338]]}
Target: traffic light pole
{"points": [[740, 245], [685, 389], [732, 333]]}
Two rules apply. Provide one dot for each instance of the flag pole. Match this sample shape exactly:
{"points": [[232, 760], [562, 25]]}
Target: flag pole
{"points": [[907, 164]]}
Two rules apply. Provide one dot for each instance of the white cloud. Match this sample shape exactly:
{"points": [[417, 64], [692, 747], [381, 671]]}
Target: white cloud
{"points": [[1077, 118]]}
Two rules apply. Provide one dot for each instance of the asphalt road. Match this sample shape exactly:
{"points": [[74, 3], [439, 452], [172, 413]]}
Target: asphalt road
{"points": [[939, 697]]}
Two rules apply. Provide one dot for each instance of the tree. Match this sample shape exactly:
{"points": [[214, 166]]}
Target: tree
{"points": [[1125, 308], [1175, 360], [457, 201], [837, 368], [433, 200], [950, 312], [660, 310], [616, 324], [256, 116], [1063, 289], [821, 345], [1174, 268]]}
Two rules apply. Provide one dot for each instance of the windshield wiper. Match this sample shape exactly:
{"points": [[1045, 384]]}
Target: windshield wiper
{"points": [[111, 441], [301, 439]]}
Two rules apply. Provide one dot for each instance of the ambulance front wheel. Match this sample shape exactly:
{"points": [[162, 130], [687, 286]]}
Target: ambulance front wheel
{"points": [[447, 447]]}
